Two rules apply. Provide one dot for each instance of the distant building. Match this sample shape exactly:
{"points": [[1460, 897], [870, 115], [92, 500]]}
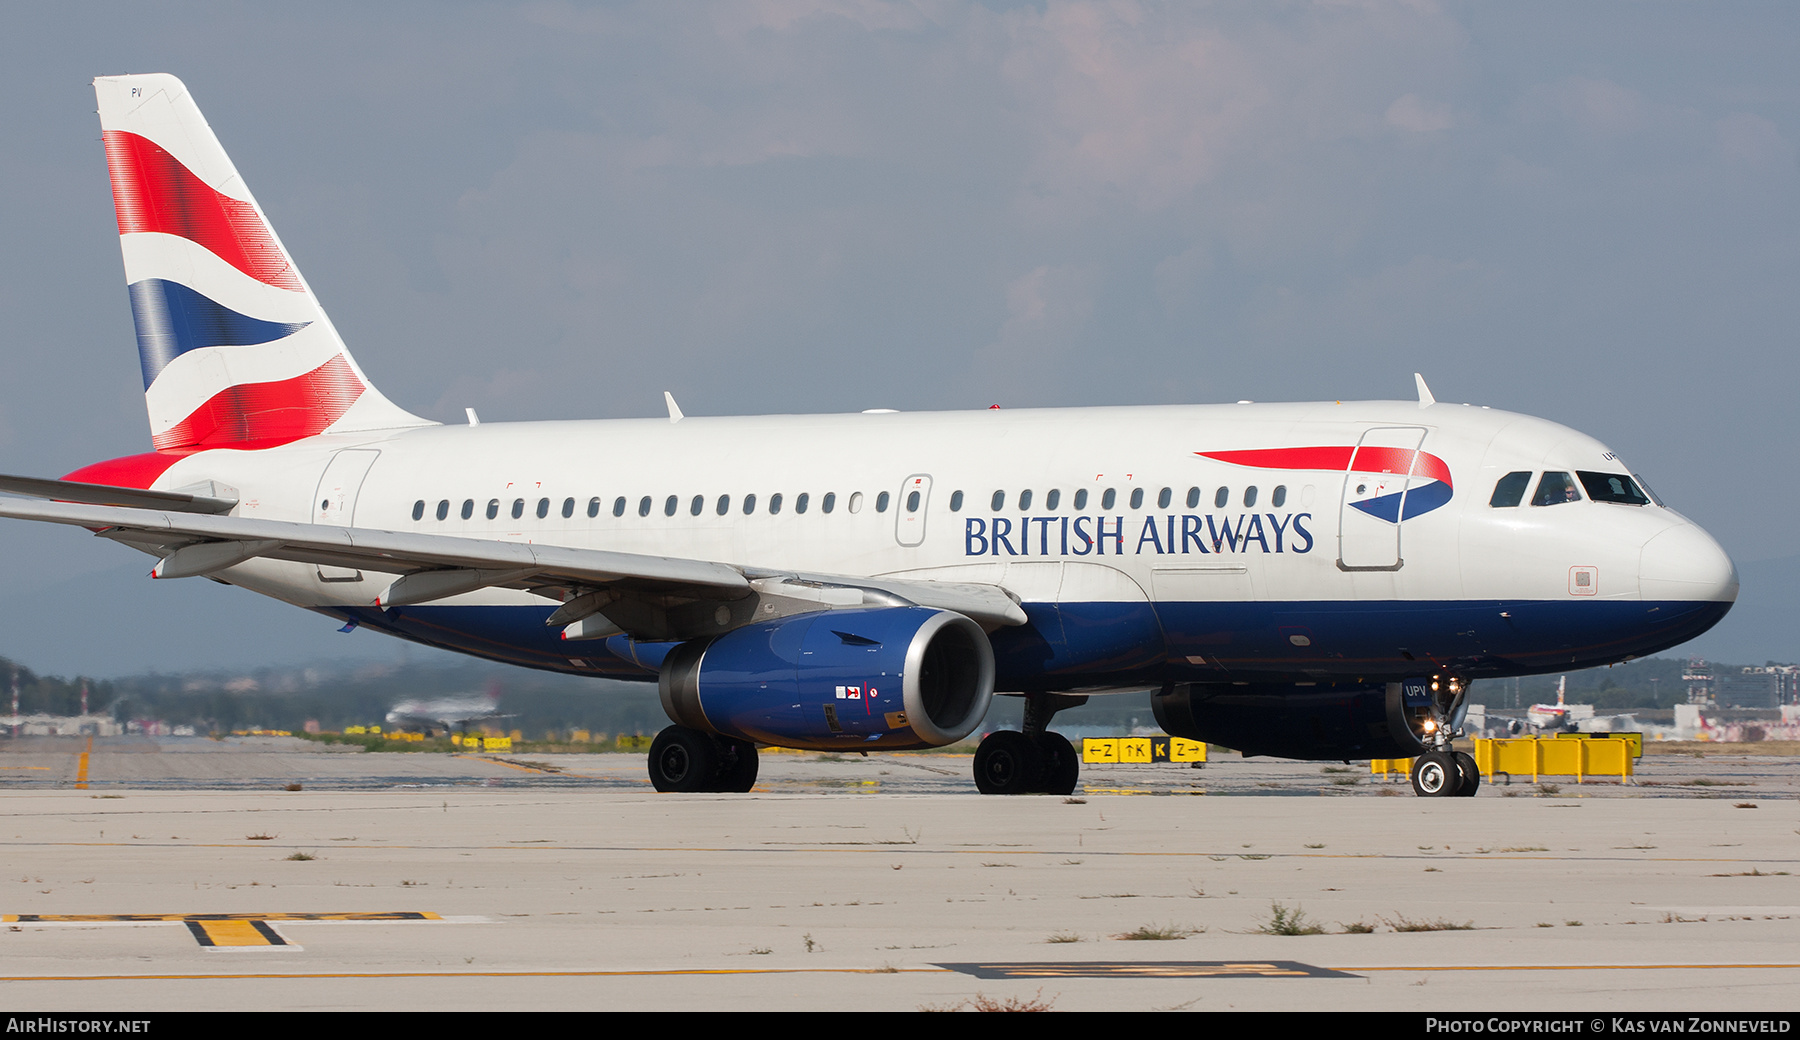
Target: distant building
{"points": [[1768, 686]]}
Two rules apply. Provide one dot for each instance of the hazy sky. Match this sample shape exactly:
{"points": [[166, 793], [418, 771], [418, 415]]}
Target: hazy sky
{"points": [[1587, 212]]}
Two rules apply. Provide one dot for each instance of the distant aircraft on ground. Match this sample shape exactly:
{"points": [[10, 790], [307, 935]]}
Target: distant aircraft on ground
{"points": [[450, 714], [1314, 581]]}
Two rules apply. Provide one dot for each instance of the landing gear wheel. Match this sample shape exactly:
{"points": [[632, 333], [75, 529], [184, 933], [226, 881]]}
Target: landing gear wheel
{"points": [[1062, 767], [737, 769], [1435, 775], [1007, 762], [1468, 775], [683, 759]]}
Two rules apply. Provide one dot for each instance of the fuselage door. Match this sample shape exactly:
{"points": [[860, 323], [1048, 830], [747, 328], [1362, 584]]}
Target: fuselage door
{"points": [[1374, 498], [909, 521], [334, 502]]}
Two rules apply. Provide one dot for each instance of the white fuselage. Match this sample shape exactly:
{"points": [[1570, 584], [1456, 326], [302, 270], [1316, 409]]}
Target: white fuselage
{"points": [[1296, 583]]}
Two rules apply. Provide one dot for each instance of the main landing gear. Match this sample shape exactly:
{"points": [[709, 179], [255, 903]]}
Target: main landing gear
{"points": [[1036, 761], [683, 759]]}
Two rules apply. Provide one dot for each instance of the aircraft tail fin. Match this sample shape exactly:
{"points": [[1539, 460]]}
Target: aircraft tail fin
{"points": [[235, 349]]}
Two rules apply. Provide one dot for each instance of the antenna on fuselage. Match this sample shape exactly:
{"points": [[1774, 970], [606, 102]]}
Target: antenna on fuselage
{"points": [[1425, 398], [675, 415]]}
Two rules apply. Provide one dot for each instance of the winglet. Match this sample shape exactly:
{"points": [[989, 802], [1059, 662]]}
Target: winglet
{"points": [[675, 415], [1425, 398]]}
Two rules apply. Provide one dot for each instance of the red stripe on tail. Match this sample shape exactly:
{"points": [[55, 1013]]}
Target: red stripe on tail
{"points": [[263, 415], [153, 191]]}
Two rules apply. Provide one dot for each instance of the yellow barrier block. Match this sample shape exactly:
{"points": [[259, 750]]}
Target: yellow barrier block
{"points": [[629, 742], [1390, 766], [1529, 756], [580, 736], [355, 731], [496, 743]]}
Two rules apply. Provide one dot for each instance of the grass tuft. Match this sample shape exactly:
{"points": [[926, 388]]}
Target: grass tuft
{"points": [[1160, 933], [1283, 921]]}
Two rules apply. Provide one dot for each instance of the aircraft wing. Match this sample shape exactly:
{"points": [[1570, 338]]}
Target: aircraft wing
{"points": [[648, 597]]}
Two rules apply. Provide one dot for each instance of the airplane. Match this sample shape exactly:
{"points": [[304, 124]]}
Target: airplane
{"points": [[1316, 581], [450, 714]]}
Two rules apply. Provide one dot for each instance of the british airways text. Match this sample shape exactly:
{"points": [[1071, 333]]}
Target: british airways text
{"points": [[1161, 535]]}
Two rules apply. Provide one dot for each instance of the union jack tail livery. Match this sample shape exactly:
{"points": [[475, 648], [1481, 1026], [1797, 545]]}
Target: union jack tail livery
{"points": [[236, 351]]}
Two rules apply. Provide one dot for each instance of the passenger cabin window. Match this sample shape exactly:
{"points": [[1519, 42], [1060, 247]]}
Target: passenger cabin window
{"points": [[1107, 498], [724, 505], [419, 509], [829, 502], [1080, 499], [518, 509], [1052, 498], [568, 508], [749, 503], [543, 509], [856, 501], [1509, 491], [697, 506], [1193, 499], [881, 502], [644, 506], [1164, 497], [493, 509], [619, 506], [468, 508], [1249, 497], [912, 501], [443, 509], [593, 508], [999, 501], [1612, 487], [955, 502], [775, 503], [801, 501], [1137, 498], [1555, 489], [1024, 501], [1222, 498], [670, 504], [1278, 497]]}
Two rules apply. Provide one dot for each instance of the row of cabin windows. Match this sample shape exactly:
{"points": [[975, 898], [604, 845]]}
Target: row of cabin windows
{"points": [[1110, 497], [1556, 487], [671, 505]]}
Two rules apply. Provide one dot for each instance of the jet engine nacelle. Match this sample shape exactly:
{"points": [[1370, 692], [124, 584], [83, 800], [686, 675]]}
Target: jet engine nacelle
{"points": [[884, 677], [1335, 721]]}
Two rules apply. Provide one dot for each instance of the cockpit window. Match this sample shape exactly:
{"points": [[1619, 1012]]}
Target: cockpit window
{"points": [[1644, 486], [1555, 489], [1510, 491], [1612, 487]]}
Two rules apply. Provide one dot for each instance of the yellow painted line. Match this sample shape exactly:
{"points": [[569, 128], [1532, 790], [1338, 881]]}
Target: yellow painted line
{"points": [[225, 934], [394, 915], [647, 973], [933, 970], [1556, 967], [81, 768], [24, 767]]}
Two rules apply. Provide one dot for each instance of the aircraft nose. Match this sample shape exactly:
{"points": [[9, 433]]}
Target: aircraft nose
{"points": [[1684, 564]]}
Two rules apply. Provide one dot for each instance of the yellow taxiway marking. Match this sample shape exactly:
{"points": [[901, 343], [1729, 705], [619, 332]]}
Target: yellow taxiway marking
{"points": [[221, 931], [81, 767], [928, 970]]}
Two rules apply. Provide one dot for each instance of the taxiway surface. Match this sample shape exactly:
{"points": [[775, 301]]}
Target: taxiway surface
{"points": [[187, 878]]}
